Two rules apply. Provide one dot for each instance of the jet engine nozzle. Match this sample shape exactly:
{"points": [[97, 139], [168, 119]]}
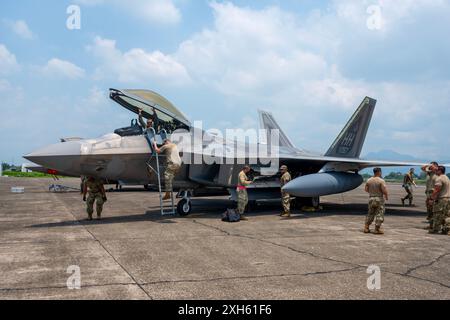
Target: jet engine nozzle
{"points": [[322, 184]]}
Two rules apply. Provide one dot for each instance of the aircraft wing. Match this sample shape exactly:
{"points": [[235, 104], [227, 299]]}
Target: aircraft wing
{"points": [[345, 164]]}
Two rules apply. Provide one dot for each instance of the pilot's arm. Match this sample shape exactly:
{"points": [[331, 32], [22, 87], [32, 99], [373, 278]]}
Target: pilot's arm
{"points": [[155, 120], [141, 120]]}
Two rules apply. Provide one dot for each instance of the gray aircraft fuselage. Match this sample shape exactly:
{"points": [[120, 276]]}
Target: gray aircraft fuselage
{"points": [[124, 158]]}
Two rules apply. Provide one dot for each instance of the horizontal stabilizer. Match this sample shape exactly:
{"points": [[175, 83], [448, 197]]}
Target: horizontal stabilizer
{"points": [[350, 141]]}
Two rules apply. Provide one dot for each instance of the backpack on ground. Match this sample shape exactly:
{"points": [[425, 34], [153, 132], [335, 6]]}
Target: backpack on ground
{"points": [[231, 215]]}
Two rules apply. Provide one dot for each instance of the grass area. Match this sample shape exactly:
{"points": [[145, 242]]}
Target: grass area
{"points": [[26, 174], [418, 182]]}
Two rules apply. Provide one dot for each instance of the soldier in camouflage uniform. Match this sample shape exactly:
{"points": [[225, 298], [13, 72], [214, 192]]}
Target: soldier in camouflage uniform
{"points": [[376, 187], [97, 194], [408, 183], [285, 197], [430, 171], [173, 165], [242, 194], [441, 203]]}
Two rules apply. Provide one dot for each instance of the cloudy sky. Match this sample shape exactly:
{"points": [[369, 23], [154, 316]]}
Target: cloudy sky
{"points": [[310, 62]]}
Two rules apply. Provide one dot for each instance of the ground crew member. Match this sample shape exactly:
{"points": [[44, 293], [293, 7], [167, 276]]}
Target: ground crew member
{"points": [[173, 164], [242, 194], [408, 183], [285, 197], [376, 187], [97, 194], [152, 122], [430, 171], [441, 203]]}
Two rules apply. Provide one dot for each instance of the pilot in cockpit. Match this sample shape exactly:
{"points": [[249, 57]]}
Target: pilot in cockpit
{"points": [[152, 122]]}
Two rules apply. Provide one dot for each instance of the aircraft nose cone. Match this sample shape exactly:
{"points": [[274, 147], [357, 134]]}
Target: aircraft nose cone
{"points": [[58, 156]]}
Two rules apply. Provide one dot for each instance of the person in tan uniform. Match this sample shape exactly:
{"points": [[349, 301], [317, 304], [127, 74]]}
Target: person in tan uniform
{"points": [[173, 164], [378, 194], [242, 194], [441, 203], [97, 194], [285, 197], [408, 183], [430, 171]]}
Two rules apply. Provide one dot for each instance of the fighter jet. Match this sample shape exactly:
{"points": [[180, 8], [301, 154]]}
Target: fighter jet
{"points": [[211, 163]]}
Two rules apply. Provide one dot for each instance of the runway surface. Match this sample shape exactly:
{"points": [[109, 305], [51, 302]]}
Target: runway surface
{"points": [[134, 253]]}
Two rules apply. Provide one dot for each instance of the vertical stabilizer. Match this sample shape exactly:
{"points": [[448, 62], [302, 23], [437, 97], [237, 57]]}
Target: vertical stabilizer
{"points": [[350, 141], [268, 123]]}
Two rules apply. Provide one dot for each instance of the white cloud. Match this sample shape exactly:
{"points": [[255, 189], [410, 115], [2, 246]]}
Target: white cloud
{"points": [[153, 11], [318, 68], [136, 66], [250, 51], [8, 62], [60, 68], [158, 11], [20, 28]]}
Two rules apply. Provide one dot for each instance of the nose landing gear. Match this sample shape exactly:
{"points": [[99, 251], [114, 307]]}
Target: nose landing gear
{"points": [[184, 206]]}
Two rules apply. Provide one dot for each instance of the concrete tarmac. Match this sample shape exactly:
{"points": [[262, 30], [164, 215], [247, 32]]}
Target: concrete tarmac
{"points": [[134, 253]]}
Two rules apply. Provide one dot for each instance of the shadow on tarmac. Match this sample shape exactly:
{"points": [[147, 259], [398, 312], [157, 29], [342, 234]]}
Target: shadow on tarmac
{"points": [[213, 208]]}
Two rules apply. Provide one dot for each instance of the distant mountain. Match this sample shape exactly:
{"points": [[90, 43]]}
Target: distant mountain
{"points": [[391, 155]]}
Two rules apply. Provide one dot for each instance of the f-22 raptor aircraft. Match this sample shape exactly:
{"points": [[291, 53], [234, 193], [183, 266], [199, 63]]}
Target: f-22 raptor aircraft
{"points": [[127, 154]]}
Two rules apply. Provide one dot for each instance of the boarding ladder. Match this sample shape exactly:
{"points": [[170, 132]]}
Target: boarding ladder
{"points": [[150, 136]]}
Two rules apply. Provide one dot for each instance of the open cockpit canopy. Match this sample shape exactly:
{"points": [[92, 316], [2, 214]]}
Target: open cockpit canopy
{"points": [[170, 117]]}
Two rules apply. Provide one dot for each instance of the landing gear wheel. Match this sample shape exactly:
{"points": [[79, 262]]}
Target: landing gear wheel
{"points": [[184, 207], [315, 202]]}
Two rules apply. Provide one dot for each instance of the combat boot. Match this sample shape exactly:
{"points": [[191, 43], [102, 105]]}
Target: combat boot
{"points": [[286, 215], [243, 218], [403, 202], [366, 228], [166, 196], [378, 231], [89, 217]]}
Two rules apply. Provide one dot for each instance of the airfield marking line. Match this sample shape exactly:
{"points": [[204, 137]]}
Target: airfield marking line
{"points": [[355, 265], [104, 248]]}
